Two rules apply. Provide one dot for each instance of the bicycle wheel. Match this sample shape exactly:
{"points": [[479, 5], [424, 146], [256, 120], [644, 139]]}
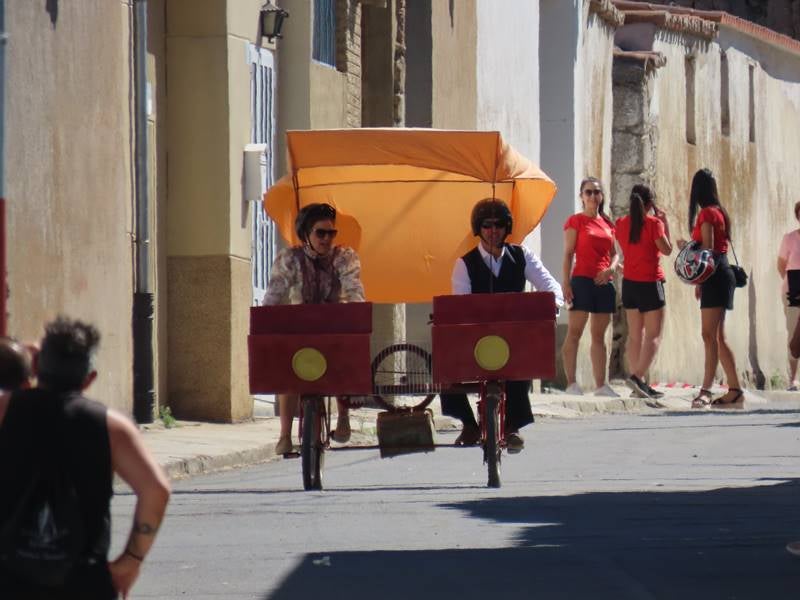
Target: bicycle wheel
{"points": [[311, 451], [401, 370], [491, 447]]}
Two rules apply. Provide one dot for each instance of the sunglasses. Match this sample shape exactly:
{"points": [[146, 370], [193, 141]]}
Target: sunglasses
{"points": [[592, 192], [494, 225], [323, 233]]}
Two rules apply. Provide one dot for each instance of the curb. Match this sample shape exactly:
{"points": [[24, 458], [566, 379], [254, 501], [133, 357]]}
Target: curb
{"points": [[202, 465]]}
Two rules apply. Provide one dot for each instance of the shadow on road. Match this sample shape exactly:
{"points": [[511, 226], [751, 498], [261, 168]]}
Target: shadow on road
{"points": [[724, 543]]}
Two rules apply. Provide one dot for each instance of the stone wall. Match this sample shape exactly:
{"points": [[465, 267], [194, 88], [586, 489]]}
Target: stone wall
{"points": [[635, 140]]}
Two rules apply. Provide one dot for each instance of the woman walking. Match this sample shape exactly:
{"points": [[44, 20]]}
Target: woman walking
{"points": [[711, 227], [789, 270], [643, 238], [590, 261]]}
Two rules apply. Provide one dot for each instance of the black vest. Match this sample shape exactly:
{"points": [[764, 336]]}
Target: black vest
{"points": [[86, 455], [510, 279]]}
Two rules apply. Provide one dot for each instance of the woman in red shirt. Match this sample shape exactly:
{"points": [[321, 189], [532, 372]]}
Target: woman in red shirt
{"points": [[643, 238], [712, 228], [589, 240]]}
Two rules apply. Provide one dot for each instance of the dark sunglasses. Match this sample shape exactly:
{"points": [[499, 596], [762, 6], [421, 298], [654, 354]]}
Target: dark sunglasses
{"points": [[321, 233], [592, 192], [494, 224]]}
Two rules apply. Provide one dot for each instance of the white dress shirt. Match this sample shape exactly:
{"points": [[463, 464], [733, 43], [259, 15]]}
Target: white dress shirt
{"points": [[535, 272]]}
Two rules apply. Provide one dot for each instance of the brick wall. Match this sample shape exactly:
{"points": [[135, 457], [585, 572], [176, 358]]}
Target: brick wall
{"points": [[348, 55]]}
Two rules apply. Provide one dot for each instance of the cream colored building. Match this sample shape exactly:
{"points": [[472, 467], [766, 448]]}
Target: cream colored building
{"points": [[214, 86]]}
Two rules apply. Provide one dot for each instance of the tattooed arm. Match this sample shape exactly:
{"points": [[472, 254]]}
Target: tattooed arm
{"points": [[137, 467]]}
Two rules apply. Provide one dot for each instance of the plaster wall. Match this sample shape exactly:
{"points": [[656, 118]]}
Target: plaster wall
{"points": [[454, 64], [69, 176], [576, 50], [755, 182]]}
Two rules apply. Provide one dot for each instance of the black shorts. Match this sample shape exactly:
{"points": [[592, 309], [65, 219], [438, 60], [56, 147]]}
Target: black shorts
{"points": [[593, 298], [717, 290], [643, 296]]}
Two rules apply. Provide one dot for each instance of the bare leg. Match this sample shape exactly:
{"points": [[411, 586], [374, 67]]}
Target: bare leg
{"points": [[653, 323], [710, 319], [342, 432], [599, 324], [569, 350], [728, 362], [287, 405], [633, 346]]}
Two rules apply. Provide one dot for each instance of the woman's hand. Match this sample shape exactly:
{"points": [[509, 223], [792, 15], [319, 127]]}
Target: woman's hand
{"points": [[603, 277], [568, 295], [681, 243], [698, 292]]}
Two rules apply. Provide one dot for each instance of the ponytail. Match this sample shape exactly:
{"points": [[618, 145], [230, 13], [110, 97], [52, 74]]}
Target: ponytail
{"points": [[637, 218]]}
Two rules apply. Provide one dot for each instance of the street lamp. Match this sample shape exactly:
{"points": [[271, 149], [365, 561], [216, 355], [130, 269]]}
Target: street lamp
{"points": [[271, 18]]}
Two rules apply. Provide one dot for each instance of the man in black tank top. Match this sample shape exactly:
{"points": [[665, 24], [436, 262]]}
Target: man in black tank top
{"points": [[53, 428], [493, 267]]}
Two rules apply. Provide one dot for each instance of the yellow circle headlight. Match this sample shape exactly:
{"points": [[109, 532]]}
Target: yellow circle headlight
{"points": [[492, 352], [309, 364]]}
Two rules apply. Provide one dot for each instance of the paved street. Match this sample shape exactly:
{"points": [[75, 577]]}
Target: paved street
{"points": [[679, 505]]}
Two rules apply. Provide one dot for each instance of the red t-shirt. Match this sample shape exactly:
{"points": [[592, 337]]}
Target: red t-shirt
{"points": [[642, 258], [593, 245], [713, 215]]}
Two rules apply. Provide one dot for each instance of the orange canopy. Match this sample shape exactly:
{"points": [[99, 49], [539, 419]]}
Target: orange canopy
{"points": [[403, 198]]}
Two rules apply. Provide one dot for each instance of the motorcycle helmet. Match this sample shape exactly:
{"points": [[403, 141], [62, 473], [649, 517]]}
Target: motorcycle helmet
{"points": [[694, 264], [490, 208]]}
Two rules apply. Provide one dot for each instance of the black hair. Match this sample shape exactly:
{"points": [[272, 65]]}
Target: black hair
{"points": [[641, 200], [15, 364], [65, 359], [311, 214], [602, 208], [703, 194]]}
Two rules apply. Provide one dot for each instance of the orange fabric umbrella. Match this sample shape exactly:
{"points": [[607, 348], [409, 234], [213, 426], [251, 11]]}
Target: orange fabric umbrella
{"points": [[404, 197]]}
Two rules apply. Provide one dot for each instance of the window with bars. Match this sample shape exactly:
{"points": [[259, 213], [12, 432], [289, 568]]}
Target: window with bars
{"points": [[324, 49], [264, 243]]}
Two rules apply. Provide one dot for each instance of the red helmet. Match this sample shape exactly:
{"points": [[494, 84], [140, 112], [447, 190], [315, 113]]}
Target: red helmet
{"points": [[695, 264]]}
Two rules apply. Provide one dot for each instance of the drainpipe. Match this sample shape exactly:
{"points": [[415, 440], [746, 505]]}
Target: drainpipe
{"points": [[3, 273], [144, 397]]}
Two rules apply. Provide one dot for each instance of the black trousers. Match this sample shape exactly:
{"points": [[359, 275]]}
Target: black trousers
{"points": [[518, 406]]}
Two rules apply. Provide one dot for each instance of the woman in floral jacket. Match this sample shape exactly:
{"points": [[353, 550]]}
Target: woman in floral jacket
{"points": [[316, 272]]}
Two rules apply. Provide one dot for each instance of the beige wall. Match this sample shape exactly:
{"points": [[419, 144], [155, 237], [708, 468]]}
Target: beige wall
{"points": [[69, 176], [454, 64], [594, 118], [756, 183], [208, 235]]}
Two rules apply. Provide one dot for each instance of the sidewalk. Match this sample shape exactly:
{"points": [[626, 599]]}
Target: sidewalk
{"points": [[190, 448]]}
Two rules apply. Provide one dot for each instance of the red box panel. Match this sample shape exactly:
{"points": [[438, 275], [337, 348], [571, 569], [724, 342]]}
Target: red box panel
{"points": [[355, 317], [348, 364], [532, 347], [493, 308]]}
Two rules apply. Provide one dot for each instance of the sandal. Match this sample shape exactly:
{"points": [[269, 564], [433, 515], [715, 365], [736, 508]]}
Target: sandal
{"points": [[738, 398], [702, 399]]}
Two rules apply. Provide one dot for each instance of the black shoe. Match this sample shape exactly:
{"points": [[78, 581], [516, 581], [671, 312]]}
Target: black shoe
{"points": [[654, 393]]}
